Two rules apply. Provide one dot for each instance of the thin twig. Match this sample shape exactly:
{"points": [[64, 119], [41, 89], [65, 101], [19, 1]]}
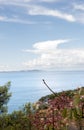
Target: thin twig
{"points": [[49, 87]]}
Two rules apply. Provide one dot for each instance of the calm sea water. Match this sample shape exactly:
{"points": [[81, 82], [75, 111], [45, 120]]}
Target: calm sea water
{"points": [[28, 86]]}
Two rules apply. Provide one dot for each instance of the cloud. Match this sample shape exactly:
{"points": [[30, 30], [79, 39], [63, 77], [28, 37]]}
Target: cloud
{"points": [[46, 46], [80, 18], [36, 9], [39, 10], [27, 1], [7, 1], [79, 7], [49, 1], [79, 12], [4, 67], [16, 20], [2, 18], [71, 12], [51, 57]]}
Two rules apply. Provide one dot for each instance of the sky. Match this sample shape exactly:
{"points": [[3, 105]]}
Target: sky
{"points": [[41, 35]]}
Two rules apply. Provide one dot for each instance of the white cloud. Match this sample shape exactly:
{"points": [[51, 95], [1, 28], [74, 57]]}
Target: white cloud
{"points": [[34, 9], [15, 20], [46, 46], [79, 12], [4, 67], [79, 7], [39, 10], [2, 18], [5, 1], [27, 1], [80, 18], [52, 57], [49, 1]]}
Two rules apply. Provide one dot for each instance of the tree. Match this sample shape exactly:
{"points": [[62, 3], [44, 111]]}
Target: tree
{"points": [[4, 97]]}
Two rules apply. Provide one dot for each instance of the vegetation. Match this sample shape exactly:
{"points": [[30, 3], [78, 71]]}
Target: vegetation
{"points": [[62, 111], [4, 97]]}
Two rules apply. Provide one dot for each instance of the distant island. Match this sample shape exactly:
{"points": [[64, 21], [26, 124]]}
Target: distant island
{"points": [[20, 71], [38, 70]]}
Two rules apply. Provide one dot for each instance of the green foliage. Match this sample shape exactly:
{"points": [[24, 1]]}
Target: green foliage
{"points": [[64, 112], [63, 109], [27, 109], [18, 120], [4, 97]]}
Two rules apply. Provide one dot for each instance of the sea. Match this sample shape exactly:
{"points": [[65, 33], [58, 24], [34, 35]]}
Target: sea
{"points": [[28, 86]]}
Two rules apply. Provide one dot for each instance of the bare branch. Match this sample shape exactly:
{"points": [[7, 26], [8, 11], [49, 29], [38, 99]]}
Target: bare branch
{"points": [[49, 87]]}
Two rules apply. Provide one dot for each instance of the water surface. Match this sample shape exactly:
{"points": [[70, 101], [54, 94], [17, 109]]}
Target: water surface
{"points": [[28, 86]]}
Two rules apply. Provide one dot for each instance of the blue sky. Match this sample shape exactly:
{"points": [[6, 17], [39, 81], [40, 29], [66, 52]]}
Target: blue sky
{"points": [[41, 34]]}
